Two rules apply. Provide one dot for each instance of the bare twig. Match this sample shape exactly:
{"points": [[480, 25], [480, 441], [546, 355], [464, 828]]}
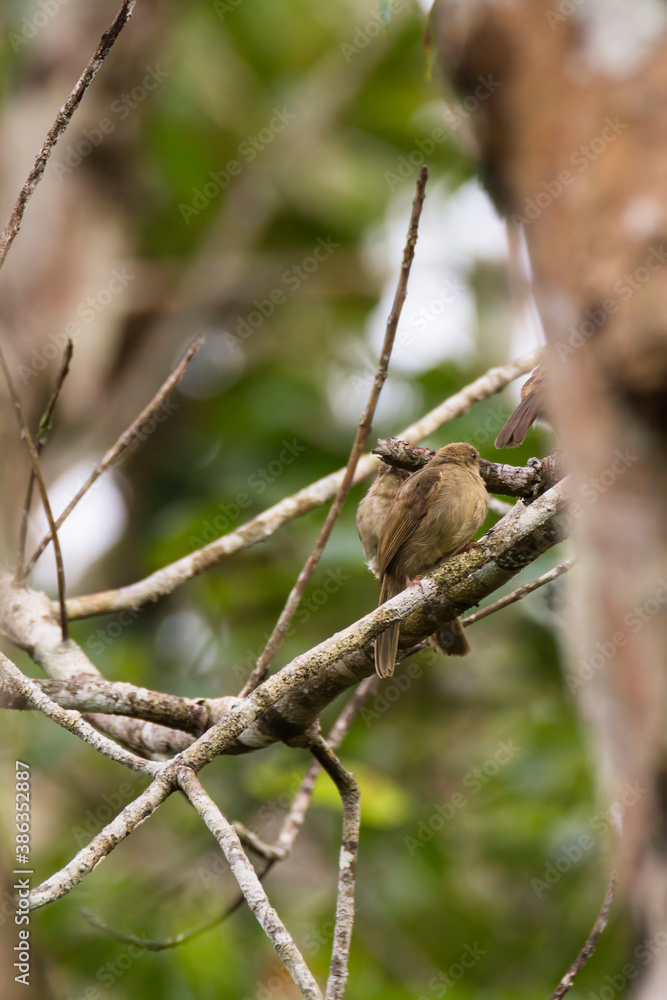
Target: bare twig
{"points": [[126, 438], [347, 871], [34, 459], [42, 436], [164, 581], [567, 981], [250, 885], [520, 592], [63, 119], [363, 431], [31, 691]]}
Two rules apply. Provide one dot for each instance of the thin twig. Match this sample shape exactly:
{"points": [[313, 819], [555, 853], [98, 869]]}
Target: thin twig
{"points": [[165, 580], [250, 885], [347, 870], [520, 592], [126, 438], [42, 436], [63, 119], [567, 981], [259, 672], [34, 459]]}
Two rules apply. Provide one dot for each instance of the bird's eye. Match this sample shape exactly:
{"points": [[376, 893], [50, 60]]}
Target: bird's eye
{"points": [[473, 453]]}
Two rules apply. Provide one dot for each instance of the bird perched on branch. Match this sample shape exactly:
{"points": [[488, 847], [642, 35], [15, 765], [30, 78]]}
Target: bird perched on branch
{"points": [[434, 515], [530, 409], [373, 509]]}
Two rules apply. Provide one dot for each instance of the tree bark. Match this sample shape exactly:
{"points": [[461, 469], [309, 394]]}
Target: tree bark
{"points": [[572, 146]]}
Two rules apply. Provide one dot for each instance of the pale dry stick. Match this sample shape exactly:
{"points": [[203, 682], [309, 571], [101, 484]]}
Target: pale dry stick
{"points": [[42, 436], [103, 843], [72, 721], [520, 592], [347, 870], [165, 580], [26, 436], [126, 438], [567, 981], [249, 883], [63, 119], [287, 614]]}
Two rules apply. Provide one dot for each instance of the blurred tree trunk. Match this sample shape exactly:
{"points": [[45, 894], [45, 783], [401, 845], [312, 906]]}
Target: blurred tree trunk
{"points": [[572, 143]]}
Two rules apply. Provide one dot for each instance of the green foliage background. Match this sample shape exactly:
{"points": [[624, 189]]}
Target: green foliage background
{"points": [[428, 886]]}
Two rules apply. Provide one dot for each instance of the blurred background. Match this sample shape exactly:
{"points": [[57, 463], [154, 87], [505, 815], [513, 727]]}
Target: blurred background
{"points": [[244, 170]]}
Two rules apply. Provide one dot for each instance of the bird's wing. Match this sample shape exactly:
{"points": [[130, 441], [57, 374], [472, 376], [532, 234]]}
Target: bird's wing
{"points": [[404, 516]]}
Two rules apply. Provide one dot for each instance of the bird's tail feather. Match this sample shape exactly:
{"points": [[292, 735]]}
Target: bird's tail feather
{"points": [[386, 644]]}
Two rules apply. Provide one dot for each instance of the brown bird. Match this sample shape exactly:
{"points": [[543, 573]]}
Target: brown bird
{"points": [[373, 509], [435, 514], [531, 408]]}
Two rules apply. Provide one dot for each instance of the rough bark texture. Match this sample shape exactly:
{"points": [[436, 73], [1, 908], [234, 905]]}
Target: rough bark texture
{"points": [[572, 147]]}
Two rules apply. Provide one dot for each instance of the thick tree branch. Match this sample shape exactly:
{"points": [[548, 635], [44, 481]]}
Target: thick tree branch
{"points": [[164, 581], [25, 690]]}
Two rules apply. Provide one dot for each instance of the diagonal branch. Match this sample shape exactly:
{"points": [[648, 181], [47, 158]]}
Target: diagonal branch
{"points": [[364, 429], [520, 592], [32, 693], [36, 468], [63, 119], [89, 857], [567, 981], [250, 885], [165, 580], [123, 442], [42, 436], [284, 843]]}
